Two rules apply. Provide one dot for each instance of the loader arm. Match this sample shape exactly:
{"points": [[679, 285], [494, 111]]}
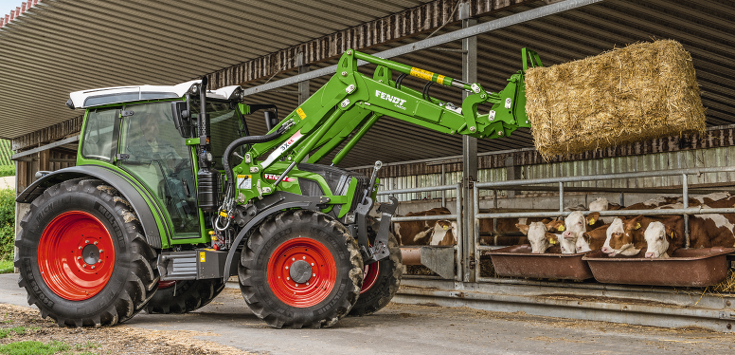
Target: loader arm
{"points": [[345, 108], [352, 100]]}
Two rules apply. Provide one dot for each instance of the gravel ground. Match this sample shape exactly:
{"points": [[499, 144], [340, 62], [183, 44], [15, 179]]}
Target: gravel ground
{"points": [[106, 340]]}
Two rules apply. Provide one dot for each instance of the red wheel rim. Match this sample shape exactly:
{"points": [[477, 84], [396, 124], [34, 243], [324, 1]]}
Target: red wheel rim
{"points": [[76, 255], [313, 260], [370, 276], [165, 284]]}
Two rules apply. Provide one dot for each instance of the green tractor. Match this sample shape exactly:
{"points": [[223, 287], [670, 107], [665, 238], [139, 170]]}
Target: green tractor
{"points": [[171, 195]]}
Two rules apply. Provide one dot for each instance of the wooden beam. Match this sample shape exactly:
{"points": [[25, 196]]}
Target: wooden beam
{"points": [[44, 147], [48, 134]]}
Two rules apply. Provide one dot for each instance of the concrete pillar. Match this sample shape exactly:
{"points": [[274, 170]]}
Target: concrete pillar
{"points": [[469, 152]]}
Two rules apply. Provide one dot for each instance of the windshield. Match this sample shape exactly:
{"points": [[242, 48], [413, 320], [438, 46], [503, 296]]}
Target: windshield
{"points": [[225, 126]]}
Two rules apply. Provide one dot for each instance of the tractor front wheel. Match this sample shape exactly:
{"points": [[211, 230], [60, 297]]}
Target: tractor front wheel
{"points": [[184, 296], [301, 269], [82, 256], [380, 282]]}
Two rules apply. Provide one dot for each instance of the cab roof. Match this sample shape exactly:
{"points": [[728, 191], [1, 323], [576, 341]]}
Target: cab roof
{"points": [[120, 94]]}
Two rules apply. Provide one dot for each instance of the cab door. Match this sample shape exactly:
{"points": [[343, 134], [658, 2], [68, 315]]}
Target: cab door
{"points": [[152, 150]]}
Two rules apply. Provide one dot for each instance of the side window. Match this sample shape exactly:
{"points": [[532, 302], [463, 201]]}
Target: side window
{"points": [[98, 134]]}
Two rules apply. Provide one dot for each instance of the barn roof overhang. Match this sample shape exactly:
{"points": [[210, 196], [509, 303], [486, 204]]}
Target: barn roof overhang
{"points": [[704, 27]]}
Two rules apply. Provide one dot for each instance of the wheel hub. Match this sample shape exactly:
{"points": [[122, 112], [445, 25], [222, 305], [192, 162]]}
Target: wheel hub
{"points": [[91, 254], [300, 271]]}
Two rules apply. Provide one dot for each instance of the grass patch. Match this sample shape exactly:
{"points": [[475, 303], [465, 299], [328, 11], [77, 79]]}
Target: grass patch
{"points": [[6, 267], [87, 345], [5, 333], [33, 348]]}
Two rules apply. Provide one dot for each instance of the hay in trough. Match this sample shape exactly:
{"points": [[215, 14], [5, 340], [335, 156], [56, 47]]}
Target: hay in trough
{"points": [[640, 92]]}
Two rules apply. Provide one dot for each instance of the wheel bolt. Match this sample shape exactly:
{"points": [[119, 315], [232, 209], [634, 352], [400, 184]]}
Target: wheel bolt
{"points": [[303, 257], [313, 274], [79, 258], [86, 241], [101, 250], [312, 264], [93, 267], [297, 285], [286, 267], [95, 243], [84, 265], [307, 284], [80, 248], [288, 278], [293, 259]]}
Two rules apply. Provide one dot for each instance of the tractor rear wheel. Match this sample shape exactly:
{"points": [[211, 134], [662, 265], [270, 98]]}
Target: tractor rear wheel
{"points": [[300, 269], [82, 256], [380, 282], [184, 296]]}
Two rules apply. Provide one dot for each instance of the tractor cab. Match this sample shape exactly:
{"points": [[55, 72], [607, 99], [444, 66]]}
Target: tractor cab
{"points": [[149, 133]]}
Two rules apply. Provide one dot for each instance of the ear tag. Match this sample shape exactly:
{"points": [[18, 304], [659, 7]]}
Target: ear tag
{"points": [[672, 235], [552, 242], [592, 221], [637, 226], [560, 228], [446, 228]]}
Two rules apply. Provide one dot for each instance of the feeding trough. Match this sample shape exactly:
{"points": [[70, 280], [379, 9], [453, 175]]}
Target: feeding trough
{"points": [[518, 261], [685, 268]]}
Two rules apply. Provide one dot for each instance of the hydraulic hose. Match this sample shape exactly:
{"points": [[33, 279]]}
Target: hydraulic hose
{"points": [[246, 140]]}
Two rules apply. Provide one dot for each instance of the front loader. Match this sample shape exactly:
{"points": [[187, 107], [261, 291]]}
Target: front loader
{"points": [[171, 195]]}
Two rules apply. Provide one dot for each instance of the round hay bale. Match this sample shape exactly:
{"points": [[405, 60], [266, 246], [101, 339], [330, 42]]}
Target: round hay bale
{"points": [[637, 93]]}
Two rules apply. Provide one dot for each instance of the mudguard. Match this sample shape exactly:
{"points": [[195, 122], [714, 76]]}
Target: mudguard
{"points": [[120, 182]]}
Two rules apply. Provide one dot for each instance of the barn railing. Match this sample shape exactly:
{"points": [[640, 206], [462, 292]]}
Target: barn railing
{"points": [[526, 185], [456, 217]]}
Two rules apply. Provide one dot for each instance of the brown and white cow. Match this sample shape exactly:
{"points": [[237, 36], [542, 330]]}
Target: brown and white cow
{"points": [[602, 204], [444, 233], [419, 232], [706, 231], [576, 224], [541, 235]]}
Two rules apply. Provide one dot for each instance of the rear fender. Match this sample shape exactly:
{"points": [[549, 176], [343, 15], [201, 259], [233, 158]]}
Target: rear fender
{"points": [[120, 182]]}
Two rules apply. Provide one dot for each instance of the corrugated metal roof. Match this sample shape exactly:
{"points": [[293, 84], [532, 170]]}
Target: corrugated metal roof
{"points": [[704, 27], [131, 51], [60, 46]]}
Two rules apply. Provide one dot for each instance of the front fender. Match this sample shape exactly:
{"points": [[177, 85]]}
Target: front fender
{"points": [[120, 182]]}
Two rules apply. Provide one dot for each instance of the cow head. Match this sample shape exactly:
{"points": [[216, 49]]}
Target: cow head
{"points": [[575, 226], [659, 237], [601, 204], [536, 232], [442, 229], [622, 241]]}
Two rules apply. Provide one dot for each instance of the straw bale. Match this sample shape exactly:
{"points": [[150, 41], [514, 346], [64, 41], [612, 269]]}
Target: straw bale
{"points": [[641, 92]]}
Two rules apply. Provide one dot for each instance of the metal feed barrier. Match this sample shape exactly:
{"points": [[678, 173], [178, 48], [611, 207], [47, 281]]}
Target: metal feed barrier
{"points": [[656, 306], [521, 185], [436, 258]]}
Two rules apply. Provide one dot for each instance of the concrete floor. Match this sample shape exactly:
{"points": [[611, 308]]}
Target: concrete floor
{"points": [[403, 329]]}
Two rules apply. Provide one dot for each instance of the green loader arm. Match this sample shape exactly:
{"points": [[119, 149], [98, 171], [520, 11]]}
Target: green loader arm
{"points": [[349, 104]]}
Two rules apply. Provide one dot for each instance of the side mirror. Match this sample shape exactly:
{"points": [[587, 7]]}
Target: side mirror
{"points": [[182, 118], [271, 120]]}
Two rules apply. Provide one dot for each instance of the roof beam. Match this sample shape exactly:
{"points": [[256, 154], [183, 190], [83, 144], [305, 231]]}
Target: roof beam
{"points": [[397, 26]]}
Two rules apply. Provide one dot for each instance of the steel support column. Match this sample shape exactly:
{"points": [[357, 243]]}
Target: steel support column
{"points": [[303, 85], [469, 151]]}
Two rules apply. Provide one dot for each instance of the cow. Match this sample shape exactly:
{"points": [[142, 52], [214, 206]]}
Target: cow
{"points": [[602, 204], [595, 238], [419, 232], [541, 235], [444, 233], [576, 224], [706, 231]]}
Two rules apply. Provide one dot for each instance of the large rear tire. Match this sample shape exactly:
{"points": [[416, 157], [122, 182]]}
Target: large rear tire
{"points": [[82, 255], [184, 296], [381, 281], [300, 269]]}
